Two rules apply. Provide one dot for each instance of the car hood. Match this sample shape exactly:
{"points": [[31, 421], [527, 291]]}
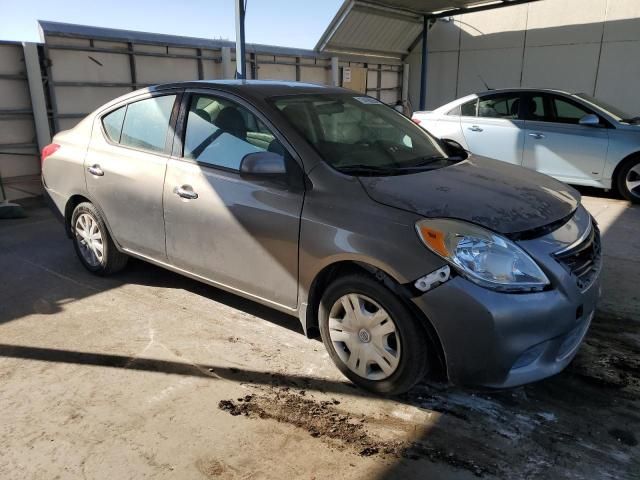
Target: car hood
{"points": [[505, 198]]}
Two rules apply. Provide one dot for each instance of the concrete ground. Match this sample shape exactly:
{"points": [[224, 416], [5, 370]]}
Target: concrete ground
{"points": [[151, 375]]}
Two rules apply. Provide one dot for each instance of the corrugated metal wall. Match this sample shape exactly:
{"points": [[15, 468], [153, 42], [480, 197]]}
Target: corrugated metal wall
{"points": [[19, 164], [83, 67], [88, 66], [590, 46]]}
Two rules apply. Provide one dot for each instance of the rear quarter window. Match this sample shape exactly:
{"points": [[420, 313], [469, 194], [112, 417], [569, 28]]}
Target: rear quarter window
{"points": [[112, 123], [469, 109], [146, 123]]}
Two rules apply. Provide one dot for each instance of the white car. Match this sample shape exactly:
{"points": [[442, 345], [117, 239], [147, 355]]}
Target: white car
{"points": [[572, 137]]}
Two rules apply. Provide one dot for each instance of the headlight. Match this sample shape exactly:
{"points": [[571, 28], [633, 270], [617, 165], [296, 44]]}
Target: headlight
{"points": [[482, 256]]}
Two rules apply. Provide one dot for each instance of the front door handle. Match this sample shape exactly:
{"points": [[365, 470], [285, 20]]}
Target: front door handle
{"points": [[475, 128], [96, 170], [536, 135], [185, 191]]}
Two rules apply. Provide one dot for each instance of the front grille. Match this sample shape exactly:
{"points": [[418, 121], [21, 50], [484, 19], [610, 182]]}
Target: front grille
{"points": [[583, 259]]}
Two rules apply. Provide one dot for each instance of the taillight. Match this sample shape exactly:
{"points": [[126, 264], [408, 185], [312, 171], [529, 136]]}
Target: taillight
{"points": [[416, 120], [48, 150]]}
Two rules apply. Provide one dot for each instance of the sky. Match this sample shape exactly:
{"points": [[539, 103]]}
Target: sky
{"points": [[288, 23]]}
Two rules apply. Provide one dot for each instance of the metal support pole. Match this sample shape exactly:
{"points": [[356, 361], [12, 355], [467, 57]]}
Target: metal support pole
{"points": [[241, 65], [335, 72], [200, 65], [405, 82], [423, 66], [132, 66], [253, 59], [227, 68], [36, 91]]}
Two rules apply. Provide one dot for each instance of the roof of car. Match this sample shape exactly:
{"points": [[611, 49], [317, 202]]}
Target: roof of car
{"points": [[256, 90], [503, 90], [263, 88]]}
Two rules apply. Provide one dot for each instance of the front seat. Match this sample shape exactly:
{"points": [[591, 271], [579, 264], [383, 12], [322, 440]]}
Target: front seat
{"points": [[231, 121], [533, 108], [515, 109]]}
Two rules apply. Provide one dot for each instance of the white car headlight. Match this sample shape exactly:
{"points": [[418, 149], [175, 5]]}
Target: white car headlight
{"points": [[482, 256]]}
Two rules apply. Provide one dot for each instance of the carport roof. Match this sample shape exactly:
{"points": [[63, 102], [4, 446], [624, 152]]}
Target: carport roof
{"points": [[392, 27]]}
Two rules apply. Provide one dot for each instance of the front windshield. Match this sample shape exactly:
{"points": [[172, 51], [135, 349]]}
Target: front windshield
{"points": [[618, 114], [361, 136]]}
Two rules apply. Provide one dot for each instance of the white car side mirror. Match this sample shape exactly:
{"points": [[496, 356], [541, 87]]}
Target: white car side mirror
{"points": [[590, 120]]}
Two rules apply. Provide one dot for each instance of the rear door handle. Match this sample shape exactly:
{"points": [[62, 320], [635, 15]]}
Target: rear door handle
{"points": [[475, 128], [96, 170], [536, 135], [186, 191]]}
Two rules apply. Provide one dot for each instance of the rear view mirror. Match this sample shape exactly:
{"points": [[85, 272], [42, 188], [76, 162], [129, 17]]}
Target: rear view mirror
{"points": [[263, 164], [590, 120]]}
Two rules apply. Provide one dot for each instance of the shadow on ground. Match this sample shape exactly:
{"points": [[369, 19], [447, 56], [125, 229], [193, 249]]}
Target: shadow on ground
{"points": [[582, 423]]}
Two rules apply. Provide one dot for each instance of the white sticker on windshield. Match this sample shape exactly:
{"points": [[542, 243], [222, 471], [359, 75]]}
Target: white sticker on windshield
{"points": [[368, 100]]}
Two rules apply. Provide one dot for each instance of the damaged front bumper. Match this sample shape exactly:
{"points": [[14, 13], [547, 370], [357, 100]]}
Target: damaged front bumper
{"points": [[500, 340], [503, 340]]}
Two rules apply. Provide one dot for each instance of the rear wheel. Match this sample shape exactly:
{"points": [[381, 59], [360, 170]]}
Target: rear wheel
{"points": [[371, 336], [628, 180], [92, 241]]}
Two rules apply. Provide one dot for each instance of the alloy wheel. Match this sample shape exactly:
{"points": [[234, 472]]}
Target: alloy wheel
{"points": [[632, 180]]}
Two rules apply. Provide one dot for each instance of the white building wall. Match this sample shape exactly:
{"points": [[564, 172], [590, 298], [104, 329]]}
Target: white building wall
{"points": [[590, 46]]}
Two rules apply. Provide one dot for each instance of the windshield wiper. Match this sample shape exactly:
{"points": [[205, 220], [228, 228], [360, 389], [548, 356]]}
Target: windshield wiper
{"points": [[364, 169], [426, 161]]}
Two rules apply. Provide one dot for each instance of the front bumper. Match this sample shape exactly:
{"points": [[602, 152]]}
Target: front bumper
{"points": [[500, 340], [503, 340]]}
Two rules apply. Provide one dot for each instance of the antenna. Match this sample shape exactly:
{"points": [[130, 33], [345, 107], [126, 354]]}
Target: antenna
{"points": [[485, 83]]}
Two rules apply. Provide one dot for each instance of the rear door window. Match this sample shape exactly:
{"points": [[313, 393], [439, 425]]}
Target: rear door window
{"points": [[146, 123], [221, 133], [500, 106], [469, 109], [112, 123]]}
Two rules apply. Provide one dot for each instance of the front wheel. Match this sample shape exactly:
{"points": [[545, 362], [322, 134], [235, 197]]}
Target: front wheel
{"points": [[92, 241], [371, 336], [628, 181]]}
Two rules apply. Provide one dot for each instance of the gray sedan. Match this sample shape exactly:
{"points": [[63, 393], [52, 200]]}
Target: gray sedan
{"points": [[408, 256]]}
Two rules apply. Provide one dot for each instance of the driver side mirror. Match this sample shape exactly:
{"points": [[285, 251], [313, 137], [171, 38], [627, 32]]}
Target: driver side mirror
{"points": [[590, 120], [454, 149], [263, 165]]}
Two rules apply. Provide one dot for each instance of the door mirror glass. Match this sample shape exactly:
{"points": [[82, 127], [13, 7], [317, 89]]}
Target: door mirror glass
{"points": [[263, 164], [590, 120]]}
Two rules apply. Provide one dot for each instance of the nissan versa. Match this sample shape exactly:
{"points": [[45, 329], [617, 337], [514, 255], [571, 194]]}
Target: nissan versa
{"points": [[406, 255]]}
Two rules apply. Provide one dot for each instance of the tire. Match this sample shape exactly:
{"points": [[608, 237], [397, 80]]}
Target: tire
{"points": [[629, 170], [406, 348], [87, 219]]}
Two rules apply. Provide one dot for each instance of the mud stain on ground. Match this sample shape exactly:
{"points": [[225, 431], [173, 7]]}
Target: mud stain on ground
{"points": [[322, 419], [579, 424]]}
